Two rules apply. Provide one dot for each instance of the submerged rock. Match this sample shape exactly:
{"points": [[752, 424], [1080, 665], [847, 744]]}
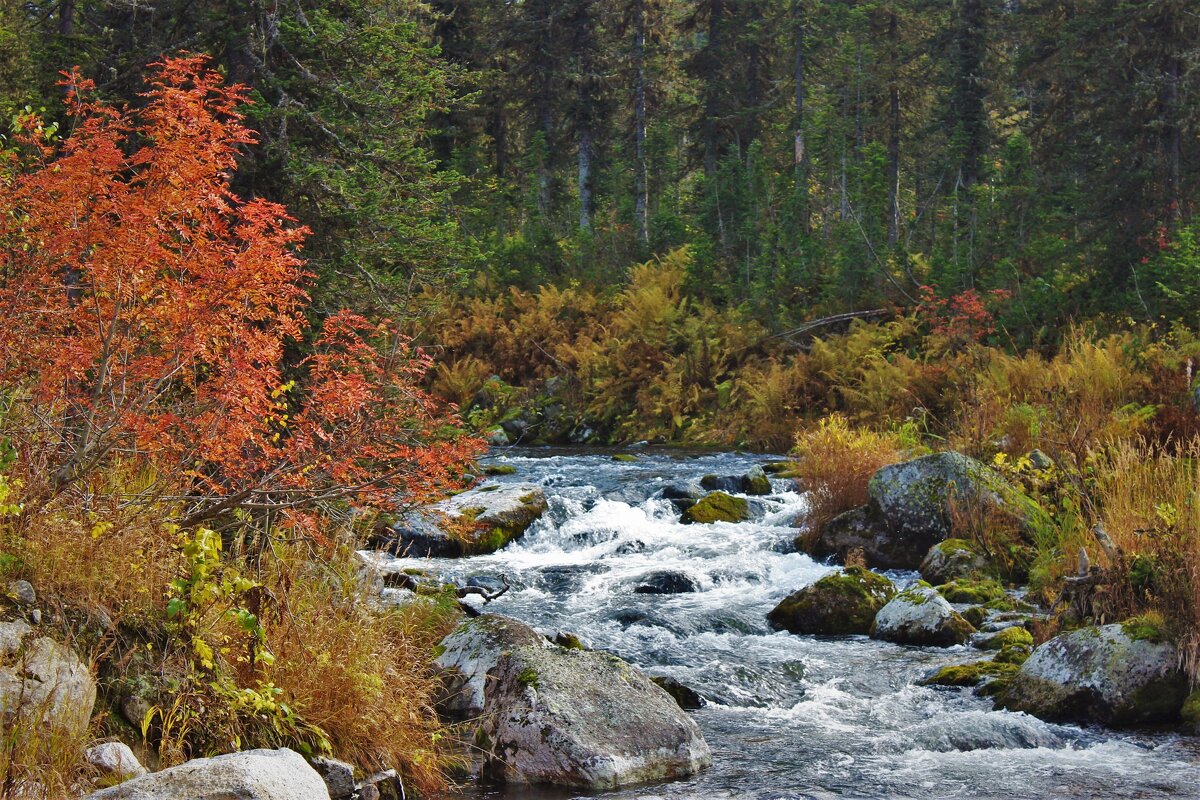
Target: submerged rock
{"points": [[1114, 674], [569, 717], [955, 559], [840, 604], [717, 507], [250, 775], [687, 697], [920, 616], [908, 509], [667, 582]]}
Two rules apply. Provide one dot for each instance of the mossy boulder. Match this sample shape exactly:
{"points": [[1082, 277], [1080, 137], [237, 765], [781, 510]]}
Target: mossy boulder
{"points": [[840, 604], [1112, 674], [955, 559], [1190, 713], [1005, 637], [972, 591], [920, 616], [909, 509], [499, 469], [976, 615], [494, 514], [717, 507]]}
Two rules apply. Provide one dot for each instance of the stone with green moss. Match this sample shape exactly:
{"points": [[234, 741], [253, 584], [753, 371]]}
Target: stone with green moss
{"points": [[840, 604], [1013, 654], [499, 469], [955, 559], [972, 591], [1147, 627], [969, 674], [717, 507], [779, 467], [975, 615], [1014, 635], [491, 516], [920, 616], [625, 457], [1190, 713], [1105, 674]]}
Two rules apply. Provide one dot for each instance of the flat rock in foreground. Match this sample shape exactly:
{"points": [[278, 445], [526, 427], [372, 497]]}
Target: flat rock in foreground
{"points": [[250, 775]]}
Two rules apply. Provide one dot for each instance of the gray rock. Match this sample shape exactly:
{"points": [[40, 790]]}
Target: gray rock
{"points": [[115, 760], [955, 559], [1113, 674], [134, 710], [470, 652], [250, 775], [548, 714], [338, 776], [920, 616], [908, 509], [685, 696], [12, 633], [22, 593], [497, 437], [45, 681], [754, 481]]}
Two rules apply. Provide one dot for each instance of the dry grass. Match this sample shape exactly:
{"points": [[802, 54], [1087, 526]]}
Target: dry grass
{"points": [[363, 676], [834, 464]]}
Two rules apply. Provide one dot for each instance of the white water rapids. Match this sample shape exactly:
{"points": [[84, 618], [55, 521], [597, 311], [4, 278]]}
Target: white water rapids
{"points": [[787, 716]]}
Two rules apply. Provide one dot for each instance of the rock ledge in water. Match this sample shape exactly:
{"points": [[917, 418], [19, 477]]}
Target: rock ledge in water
{"points": [[486, 519]]}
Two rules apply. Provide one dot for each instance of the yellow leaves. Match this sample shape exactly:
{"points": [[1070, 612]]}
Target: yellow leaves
{"points": [[100, 528]]}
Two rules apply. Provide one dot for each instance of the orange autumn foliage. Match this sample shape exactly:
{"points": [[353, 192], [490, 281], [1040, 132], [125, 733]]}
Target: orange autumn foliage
{"points": [[149, 312]]}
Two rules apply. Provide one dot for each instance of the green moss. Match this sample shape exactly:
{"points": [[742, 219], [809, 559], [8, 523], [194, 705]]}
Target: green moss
{"points": [[1015, 635], [718, 507], [499, 469], [1150, 627], [528, 677], [1013, 654], [975, 615], [568, 640], [974, 592], [624, 457], [780, 467], [757, 483], [969, 674], [1190, 713]]}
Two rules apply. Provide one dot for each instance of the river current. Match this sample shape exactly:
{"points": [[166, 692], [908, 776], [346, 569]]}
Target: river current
{"points": [[787, 716]]}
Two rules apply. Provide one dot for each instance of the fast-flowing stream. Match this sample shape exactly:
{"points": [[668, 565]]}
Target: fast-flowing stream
{"points": [[787, 716]]}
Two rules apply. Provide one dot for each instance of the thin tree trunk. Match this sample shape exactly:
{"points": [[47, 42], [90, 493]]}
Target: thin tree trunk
{"points": [[642, 203], [800, 157], [893, 155], [66, 17], [1173, 142], [585, 178]]}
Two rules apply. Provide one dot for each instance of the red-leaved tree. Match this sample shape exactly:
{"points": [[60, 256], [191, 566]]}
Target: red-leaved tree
{"points": [[148, 313]]}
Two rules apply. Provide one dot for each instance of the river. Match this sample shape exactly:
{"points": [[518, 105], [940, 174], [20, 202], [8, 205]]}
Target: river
{"points": [[787, 716]]}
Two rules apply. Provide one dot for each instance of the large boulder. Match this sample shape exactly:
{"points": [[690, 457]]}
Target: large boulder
{"points": [[840, 604], [43, 682], [250, 775], [477, 521], [920, 616], [569, 717], [470, 652], [909, 509], [1113, 674], [955, 559]]}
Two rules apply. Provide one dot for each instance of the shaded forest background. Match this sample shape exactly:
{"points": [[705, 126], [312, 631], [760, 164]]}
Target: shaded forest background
{"points": [[816, 156]]}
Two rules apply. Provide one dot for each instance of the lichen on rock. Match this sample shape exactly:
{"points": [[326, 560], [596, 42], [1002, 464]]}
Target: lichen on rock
{"points": [[839, 604]]}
